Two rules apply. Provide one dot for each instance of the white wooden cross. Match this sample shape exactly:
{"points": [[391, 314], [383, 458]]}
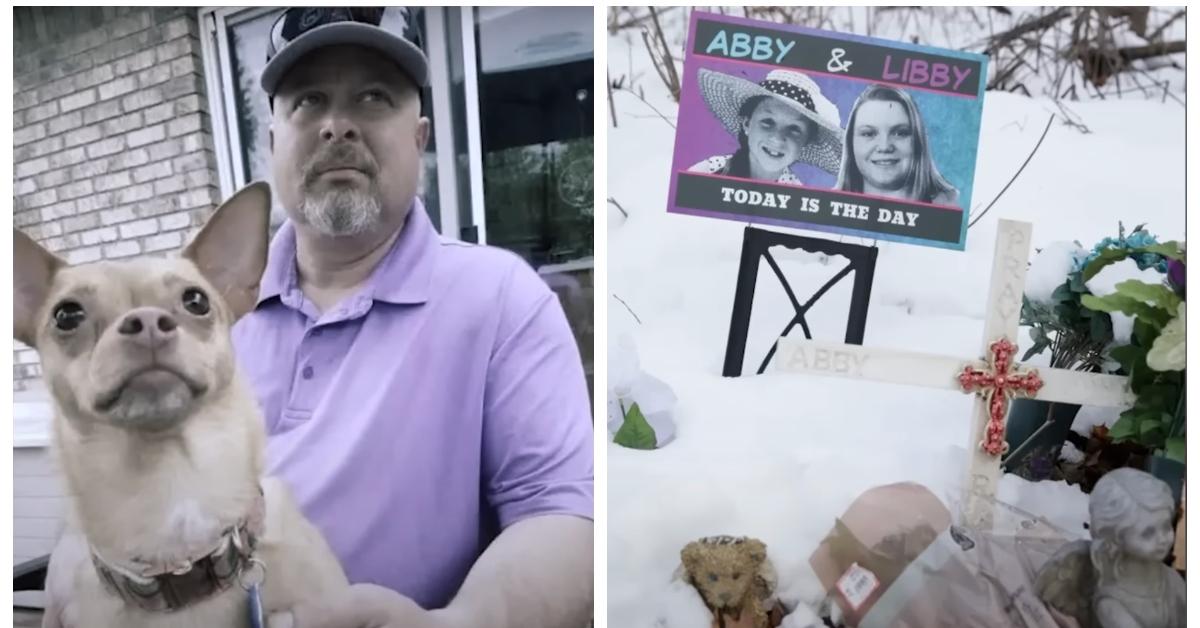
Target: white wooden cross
{"points": [[993, 381]]}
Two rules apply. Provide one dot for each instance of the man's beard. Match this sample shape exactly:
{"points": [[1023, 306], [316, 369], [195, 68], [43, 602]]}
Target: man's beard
{"points": [[341, 211]]}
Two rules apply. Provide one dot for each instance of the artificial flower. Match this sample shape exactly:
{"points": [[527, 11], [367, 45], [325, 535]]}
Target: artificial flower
{"points": [[1169, 351]]}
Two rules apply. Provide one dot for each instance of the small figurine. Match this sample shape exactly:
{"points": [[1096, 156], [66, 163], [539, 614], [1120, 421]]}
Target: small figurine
{"points": [[734, 577], [1118, 579]]}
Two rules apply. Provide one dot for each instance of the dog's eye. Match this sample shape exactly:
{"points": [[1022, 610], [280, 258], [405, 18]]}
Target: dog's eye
{"points": [[712, 577], [68, 315], [736, 576], [195, 301]]}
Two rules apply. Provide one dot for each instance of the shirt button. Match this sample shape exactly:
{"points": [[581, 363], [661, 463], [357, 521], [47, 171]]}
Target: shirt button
{"points": [[307, 373]]}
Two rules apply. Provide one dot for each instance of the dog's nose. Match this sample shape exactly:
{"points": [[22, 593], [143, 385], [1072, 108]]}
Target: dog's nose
{"points": [[725, 597], [149, 326]]}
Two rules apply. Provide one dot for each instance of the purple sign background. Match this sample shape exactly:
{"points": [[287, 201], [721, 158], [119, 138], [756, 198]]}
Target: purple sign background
{"points": [[951, 120]]}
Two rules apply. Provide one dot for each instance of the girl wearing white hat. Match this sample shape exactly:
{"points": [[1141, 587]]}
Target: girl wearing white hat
{"points": [[779, 121]]}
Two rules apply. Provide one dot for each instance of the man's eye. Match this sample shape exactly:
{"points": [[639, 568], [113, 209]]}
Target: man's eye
{"points": [[308, 100], [375, 95]]}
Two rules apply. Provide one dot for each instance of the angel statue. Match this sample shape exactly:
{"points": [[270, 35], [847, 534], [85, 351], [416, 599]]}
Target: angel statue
{"points": [[1118, 579]]}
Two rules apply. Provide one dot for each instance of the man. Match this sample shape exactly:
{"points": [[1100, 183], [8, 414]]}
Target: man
{"points": [[424, 398]]}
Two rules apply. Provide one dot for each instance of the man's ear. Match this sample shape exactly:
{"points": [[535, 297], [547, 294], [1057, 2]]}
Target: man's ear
{"points": [[33, 273], [231, 249], [422, 135]]}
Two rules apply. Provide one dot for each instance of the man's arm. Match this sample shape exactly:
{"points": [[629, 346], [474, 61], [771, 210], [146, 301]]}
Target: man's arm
{"points": [[536, 574], [537, 471]]}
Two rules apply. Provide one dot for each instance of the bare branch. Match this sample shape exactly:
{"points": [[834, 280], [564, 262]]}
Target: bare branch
{"points": [[1018, 173], [1133, 53], [667, 58], [1041, 23], [1159, 31], [612, 108], [652, 107]]}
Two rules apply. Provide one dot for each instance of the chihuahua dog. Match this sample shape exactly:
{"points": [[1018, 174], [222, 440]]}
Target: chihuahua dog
{"points": [[159, 439]]}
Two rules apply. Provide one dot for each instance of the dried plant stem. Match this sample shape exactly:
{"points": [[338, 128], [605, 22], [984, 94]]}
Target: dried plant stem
{"points": [[652, 107], [612, 107], [1017, 174]]}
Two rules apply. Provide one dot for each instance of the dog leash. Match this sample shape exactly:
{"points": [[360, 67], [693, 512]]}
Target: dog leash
{"points": [[253, 588], [254, 607]]}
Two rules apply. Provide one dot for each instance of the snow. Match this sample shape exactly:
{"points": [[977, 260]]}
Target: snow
{"points": [[1105, 283], [1049, 270], [779, 456], [1070, 453], [1091, 416]]}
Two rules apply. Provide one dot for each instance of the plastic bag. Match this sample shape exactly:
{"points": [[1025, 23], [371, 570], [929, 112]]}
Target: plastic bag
{"points": [[628, 384], [896, 559]]}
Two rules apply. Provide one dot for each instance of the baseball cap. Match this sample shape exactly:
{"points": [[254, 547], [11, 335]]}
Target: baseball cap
{"points": [[298, 31]]}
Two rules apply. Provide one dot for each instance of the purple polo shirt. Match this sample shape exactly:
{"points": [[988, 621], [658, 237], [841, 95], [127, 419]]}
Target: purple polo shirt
{"points": [[443, 402]]}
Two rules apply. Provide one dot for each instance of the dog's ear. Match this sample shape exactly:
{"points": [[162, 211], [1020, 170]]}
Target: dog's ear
{"points": [[231, 249], [33, 273]]}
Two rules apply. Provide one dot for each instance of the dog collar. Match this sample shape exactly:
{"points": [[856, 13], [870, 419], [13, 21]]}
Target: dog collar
{"points": [[184, 584]]}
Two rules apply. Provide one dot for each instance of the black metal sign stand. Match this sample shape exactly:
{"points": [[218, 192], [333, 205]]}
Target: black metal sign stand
{"points": [[756, 246]]}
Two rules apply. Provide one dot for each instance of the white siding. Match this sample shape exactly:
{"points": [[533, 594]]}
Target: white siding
{"points": [[38, 503]]}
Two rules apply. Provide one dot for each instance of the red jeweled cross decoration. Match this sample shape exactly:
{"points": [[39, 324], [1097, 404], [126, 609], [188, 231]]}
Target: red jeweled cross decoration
{"points": [[997, 386]]}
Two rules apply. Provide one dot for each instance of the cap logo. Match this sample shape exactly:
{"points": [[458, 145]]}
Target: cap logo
{"points": [[310, 17]]}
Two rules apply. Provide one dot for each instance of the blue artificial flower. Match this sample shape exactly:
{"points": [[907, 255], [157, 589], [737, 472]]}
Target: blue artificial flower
{"points": [[1136, 240]]}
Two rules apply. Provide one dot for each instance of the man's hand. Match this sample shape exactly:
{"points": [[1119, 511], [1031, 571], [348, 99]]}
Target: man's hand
{"points": [[362, 606]]}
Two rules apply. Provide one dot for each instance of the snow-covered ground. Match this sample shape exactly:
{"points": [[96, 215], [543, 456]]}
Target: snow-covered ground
{"points": [[779, 456]]}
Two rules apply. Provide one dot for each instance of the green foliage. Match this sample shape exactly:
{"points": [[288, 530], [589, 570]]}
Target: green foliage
{"points": [[1170, 250], [635, 432], [1125, 428], [1075, 335], [1106, 257], [1159, 294], [1177, 448], [1117, 302], [1077, 327]]}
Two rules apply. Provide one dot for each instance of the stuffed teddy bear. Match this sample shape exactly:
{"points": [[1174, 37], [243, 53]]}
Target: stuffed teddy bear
{"points": [[734, 578]]}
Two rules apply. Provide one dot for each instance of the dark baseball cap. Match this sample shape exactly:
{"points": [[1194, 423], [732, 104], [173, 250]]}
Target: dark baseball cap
{"points": [[392, 31]]}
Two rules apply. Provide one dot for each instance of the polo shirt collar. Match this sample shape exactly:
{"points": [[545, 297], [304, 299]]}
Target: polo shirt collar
{"points": [[402, 276]]}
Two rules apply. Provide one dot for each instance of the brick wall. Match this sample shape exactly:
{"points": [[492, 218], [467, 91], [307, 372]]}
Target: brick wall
{"points": [[113, 143]]}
